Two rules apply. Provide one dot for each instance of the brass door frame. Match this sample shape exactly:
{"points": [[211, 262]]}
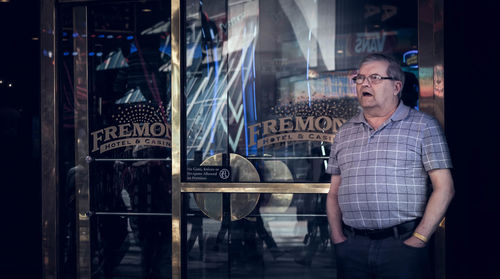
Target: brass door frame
{"points": [[82, 158], [49, 117], [428, 58], [177, 110]]}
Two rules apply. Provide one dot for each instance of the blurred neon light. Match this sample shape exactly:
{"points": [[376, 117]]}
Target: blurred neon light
{"points": [[409, 54]]}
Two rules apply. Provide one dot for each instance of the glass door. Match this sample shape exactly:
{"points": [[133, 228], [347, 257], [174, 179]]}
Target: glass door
{"points": [[114, 82], [194, 135], [267, 85]]}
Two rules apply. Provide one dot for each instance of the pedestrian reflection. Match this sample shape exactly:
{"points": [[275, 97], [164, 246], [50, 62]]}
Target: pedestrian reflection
{"points": [[196, 221], [151, 189], [318, 236], [127, 240], [311, 208], [247, 238], [264, 232]]}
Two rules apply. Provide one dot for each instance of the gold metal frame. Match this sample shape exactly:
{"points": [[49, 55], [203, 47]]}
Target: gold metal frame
{"points": [[177, 110], [50, 160], [82, 159], [49, 141], [261, 187], [430, 56]]}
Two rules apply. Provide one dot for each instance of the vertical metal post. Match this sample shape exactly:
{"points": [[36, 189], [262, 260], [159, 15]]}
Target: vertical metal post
{"points": [[431, 99], [82, 159], [177, 109], [49, 140]]}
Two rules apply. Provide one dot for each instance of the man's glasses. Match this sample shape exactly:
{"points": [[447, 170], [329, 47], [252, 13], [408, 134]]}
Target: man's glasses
{"points": [[372, 79]]}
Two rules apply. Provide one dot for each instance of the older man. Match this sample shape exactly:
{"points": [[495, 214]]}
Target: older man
{"points": [[379, 208]]}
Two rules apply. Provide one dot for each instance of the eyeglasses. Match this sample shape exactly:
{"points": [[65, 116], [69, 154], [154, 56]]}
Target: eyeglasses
{"points": [[372, 79]]}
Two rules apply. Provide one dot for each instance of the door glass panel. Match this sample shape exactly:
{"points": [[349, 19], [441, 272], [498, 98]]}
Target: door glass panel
{"points": [[68, 165], [132, 246], [281, 93], [129, 113], [285, 234], [129, 62], [131, 186], [267, 86], [114, 76]]}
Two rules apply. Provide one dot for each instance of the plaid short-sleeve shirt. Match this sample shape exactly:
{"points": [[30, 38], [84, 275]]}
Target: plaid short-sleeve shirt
{"points": [[384, 171]]}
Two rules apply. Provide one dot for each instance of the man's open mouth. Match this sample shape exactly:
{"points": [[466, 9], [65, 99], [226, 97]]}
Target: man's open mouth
{"points": [[367, 94]]}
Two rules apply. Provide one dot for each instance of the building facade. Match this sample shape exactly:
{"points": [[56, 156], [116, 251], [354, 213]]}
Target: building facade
{"points": [[189, 139]]}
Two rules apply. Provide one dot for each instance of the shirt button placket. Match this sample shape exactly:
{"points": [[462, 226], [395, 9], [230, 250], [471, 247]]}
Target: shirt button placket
{"points": [[371, 134]]}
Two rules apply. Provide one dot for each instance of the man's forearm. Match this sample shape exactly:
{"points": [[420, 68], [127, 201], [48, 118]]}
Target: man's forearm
{"points": [[334, 218], [333, 211], [434, 211], [438, 202]]}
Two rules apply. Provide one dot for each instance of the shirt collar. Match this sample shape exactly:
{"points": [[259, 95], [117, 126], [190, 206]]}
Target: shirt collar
{"points": [[399, 114]]}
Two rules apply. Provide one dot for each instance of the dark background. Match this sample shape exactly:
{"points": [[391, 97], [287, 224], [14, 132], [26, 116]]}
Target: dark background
{"points": [[20, 192], [471, 112], [472, 86]]}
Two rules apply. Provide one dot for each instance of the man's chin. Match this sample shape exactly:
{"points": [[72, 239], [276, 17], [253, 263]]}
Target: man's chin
{"points": [[365, 104]]}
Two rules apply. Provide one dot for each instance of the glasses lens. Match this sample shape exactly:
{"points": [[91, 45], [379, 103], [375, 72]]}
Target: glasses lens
{"points": [[374, 78], [359, 79]]}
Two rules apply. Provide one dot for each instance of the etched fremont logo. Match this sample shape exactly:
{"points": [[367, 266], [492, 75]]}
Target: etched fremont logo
{"points": [[288, 129], [139, 124]]}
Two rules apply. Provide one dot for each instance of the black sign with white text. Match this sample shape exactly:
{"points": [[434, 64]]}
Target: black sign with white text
{"points": [[209, 173]]}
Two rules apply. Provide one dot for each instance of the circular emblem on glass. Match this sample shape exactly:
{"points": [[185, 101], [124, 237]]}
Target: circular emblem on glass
{"points": [[224, 174]]}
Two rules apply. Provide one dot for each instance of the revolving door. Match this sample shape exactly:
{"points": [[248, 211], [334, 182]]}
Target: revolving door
{"points": [[190, 138]]}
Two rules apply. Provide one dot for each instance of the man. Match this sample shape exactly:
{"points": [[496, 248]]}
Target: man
{"points": [[379, 209]]}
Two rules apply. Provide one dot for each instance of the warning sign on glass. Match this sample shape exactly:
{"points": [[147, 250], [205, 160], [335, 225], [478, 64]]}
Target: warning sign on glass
{"points": [[209, 174]]}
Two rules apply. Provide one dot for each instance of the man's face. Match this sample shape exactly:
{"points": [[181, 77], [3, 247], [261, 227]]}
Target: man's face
{"points": [[382, 96]]}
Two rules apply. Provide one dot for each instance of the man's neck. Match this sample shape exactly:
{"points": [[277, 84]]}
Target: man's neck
{"points": [[376, 119]]}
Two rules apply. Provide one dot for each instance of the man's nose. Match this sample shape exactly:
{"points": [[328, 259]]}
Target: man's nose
{"points": [[366, 81]]}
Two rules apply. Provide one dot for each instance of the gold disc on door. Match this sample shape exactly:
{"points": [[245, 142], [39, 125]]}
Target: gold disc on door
{"points": [[241, 204], [275, 171]]}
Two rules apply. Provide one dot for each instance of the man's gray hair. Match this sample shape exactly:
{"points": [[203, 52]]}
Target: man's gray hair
{"points": [[394, 70]]}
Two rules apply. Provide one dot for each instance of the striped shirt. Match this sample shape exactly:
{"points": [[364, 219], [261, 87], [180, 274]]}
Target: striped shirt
{"points": [[384, 171]]}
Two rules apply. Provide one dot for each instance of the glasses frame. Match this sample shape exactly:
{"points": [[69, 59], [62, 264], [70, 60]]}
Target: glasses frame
{"points": [[372, 79]]}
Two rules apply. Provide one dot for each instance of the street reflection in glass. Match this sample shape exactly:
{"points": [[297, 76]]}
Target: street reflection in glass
{"points": [[267, 84], [285, 234], [282, 92], [126, 108], [132, 247]]}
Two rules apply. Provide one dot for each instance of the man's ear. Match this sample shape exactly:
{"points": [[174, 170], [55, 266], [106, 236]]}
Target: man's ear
{"points": [[397, 87]]}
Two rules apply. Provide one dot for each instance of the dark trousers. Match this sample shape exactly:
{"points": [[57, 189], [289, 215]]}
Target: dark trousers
{"points": [[360, 257]]}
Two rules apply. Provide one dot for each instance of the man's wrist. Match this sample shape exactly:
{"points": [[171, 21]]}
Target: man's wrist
{"points": [[338, 237], [420, 237]]}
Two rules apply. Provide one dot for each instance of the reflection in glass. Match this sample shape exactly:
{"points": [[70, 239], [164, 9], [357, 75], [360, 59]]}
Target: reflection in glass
{"points": [[130, 140], [129, 61], [283, 92], [131, 186], [285, 234], [68, 167], [206, 78], [131, 247], [126, 108]]}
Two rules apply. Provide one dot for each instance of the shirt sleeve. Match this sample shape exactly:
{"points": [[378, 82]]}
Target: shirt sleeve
{"points": [[435, 153], [333, 166]]}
